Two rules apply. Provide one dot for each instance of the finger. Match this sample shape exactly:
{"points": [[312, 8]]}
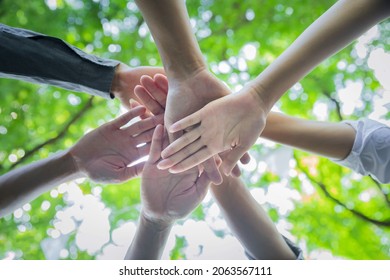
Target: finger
{"points": [[133, 171], [218, 160], [161, 81], [195, 159], [202, 186], [230, 160], [211, 169], [133, 104], [144, 125], [156, 146], [152, 105], [185, 140], [186, 122], [126, 117], [156, 92], [236, 172], [181, 155], [245, 159], [144, 137]]}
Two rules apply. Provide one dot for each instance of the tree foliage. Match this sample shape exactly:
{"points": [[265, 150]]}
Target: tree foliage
{"points": [[337, 210]]}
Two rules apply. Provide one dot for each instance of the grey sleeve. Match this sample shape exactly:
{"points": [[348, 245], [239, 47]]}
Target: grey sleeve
{"points": [[294, 248], [37, 58]]}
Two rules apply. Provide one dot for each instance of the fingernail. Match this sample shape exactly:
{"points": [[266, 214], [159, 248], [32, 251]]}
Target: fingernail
{"points": [[162, 165], [171, 129]]}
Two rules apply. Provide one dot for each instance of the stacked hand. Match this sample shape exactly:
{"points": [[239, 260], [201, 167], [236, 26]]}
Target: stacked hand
{"points": [[230, 124], [127, 78], [105, 153], [153, 92], [167, 197]]}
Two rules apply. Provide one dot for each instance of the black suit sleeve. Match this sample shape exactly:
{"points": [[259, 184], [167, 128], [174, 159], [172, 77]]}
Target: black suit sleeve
{"points": [[37, 58]]}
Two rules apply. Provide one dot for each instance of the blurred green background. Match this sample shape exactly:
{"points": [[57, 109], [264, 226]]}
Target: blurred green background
{"points": [[328, 210]]}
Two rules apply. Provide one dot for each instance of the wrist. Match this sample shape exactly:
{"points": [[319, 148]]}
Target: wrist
{"points": [[155, 224], [177, 70], [69, 164], [257, 95], [118, 86], [75, 162]]}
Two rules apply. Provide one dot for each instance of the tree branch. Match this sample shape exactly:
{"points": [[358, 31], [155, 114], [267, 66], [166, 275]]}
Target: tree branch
{"points": [[379, 186], [338, 107], [59, 136], [384, 223]]}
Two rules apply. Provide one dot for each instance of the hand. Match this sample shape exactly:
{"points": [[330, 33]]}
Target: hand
{"points": [[126, 79], [153, 93], [105, 153], [231, 123], [167, 197]]}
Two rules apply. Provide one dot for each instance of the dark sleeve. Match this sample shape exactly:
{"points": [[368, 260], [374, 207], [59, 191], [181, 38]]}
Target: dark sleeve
{"points": [[37, 58], [294, 248]]}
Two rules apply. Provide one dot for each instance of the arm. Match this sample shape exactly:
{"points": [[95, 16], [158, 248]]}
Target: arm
{"points": [[370, 154], [103, 155], [333, 140], [38, 58], [240, 119], [191, 85], [249, 222], [165, 198], [28, 182], [335, 29], [149, 240]]}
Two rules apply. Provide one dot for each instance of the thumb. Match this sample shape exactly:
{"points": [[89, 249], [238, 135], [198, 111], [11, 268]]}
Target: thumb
{"points": [[230, 159]]}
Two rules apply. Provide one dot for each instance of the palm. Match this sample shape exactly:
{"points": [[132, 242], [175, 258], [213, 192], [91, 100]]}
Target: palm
{"points": [[105, 153], [177, 200], [167, 197]]}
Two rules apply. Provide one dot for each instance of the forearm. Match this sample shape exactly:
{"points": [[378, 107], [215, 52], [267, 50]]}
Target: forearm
{"points": [[332, 140], [335, 29], [170, 26], [149, 241], [22, 185], [38, 58], [249, 222]]}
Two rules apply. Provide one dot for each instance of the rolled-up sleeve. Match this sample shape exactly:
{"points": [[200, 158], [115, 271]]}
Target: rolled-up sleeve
{"points": [[34, 57], [370, 153]]}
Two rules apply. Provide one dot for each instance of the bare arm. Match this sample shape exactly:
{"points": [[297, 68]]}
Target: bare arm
{"points": [[240, 119], [102, 155], [24, 184], [169, 24], [335, 29], [149, 240], [249, 222], [332, 140]]}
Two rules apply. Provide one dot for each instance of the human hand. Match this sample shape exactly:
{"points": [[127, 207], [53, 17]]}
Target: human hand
{"points": [[153, 93], [167, 197], [105, 153], [127, 78], [230, 123]]}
